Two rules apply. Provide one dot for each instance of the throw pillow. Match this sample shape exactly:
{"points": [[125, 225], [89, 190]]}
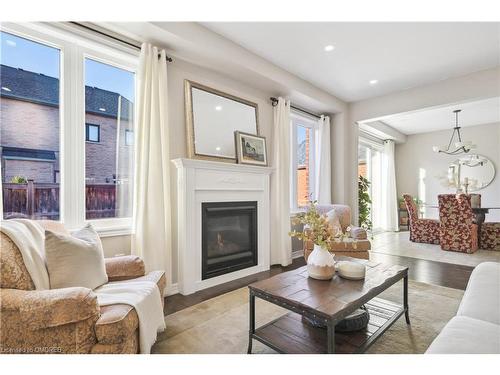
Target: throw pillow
{"points": [[76, 259], [334, 221]]}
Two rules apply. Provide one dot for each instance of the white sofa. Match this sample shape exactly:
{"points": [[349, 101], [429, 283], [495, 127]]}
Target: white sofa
{"points": [[476, 327]]}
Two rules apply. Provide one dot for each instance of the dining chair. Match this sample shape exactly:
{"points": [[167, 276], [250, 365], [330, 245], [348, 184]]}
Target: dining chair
{"points": [[421, 230], [457, 230], [489, 236]]}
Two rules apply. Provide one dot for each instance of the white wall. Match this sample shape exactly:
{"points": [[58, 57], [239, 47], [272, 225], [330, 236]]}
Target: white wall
{"points": [[416, 155], [116, 245], [479, 85]]}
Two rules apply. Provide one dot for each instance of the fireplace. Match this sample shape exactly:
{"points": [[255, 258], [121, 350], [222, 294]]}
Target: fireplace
{"points": [[229, 237]]}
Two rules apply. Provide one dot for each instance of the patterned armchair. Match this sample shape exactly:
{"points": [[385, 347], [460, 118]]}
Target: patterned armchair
{"points": [[421, 230], [489, 237], [67, 320], [458, 232], [363, 245]]}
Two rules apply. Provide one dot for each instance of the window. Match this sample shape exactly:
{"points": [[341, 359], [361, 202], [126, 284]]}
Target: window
{"points": [[29, 128], [50, 132], [129, 137], [92, 133], [370, 167], [109, 98], [304, 133]]}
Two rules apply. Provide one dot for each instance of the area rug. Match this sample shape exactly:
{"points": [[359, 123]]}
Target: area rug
{"points": [[220, 325], [398, 243]]}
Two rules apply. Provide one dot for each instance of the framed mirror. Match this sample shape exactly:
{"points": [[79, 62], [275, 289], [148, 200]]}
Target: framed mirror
{"points": [[471, 172], [212, 117]]}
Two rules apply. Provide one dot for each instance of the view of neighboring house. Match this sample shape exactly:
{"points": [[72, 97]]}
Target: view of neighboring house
{"points": [[30, 133], [303, 170]]}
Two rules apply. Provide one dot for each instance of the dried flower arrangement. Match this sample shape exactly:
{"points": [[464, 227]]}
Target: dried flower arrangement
{"points": [[318, 230]]}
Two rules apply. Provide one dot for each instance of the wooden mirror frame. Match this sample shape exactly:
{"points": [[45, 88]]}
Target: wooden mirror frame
{"points": [[188, 100]]}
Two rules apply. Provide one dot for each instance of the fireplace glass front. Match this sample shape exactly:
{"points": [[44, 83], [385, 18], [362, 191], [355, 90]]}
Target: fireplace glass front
{"points": [[229, 237]]}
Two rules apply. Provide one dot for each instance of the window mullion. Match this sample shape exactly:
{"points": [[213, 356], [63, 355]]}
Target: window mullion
{"points": [[74, 136]]}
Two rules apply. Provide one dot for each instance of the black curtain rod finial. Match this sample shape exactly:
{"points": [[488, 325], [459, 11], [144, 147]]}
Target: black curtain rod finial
{"points": [[169, 59]]}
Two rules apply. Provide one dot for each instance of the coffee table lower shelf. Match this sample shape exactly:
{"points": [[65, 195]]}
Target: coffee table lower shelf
{"points": [[289, 334]]}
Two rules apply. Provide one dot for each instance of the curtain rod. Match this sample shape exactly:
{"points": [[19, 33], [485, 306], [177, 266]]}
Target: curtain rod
{"points": [[274, 102], [136, 46]]}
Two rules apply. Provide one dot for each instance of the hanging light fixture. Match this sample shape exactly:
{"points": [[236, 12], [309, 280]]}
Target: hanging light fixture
{"points": [[459, 147]]}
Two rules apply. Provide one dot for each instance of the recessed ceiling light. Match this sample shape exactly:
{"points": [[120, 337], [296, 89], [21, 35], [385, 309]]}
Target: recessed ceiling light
{"points": [[329, 48], [10, 43], [102, 109], [6, 89], [373, 81], [218, 108]]}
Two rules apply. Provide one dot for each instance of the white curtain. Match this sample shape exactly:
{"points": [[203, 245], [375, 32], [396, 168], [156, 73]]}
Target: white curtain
{"points": [[323, 192], [281, 244], [152, 221], [389, 203]]}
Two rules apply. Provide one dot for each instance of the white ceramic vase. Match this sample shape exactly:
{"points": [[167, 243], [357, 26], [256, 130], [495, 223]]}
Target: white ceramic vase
{"points": [[320, 264]]}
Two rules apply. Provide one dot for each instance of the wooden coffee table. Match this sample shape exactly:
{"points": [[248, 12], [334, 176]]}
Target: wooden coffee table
{"points": [[327, 302]]}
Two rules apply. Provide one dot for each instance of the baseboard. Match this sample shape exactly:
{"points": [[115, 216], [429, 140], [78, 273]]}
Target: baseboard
{"points": [[297, 254], [171, 289]]}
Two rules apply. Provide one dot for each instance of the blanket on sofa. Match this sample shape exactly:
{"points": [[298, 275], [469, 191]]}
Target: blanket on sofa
{"points": [[143, 295], [146, 299]]}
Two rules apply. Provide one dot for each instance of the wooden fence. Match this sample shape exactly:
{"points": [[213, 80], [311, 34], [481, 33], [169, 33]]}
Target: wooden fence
{"points": [[41, 201]]}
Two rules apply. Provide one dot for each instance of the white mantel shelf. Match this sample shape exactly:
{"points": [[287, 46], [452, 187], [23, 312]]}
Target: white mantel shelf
{"points": [[217, 165], [200, 181]]}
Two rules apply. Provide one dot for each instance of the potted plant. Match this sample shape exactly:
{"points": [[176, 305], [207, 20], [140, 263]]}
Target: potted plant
{"points": [[364, 203], [320, 263], [18, 180]]}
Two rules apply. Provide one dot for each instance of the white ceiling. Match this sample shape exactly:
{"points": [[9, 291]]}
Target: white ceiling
{"points": [[398, 55], [474, 113]]}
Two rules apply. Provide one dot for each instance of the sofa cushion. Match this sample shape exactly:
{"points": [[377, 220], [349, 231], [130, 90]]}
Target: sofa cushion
{"points": [[464, 335], [482, 297], [334, 221], [358, 233], [75, 260]]}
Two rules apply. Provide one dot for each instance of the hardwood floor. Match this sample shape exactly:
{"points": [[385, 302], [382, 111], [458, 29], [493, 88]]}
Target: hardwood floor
{"points": [[426, 271]]}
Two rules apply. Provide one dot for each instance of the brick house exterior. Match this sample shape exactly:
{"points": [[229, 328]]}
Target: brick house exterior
{"points": [[303, 175], [30, 130]]}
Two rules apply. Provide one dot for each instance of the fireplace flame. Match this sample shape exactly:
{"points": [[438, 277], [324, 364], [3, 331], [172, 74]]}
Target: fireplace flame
{"points": [[220, 240]]}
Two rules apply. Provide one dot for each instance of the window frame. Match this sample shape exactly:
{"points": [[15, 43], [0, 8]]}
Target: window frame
{"points": [[372, 145], [87, 132], [298, 119], [75, 46]]}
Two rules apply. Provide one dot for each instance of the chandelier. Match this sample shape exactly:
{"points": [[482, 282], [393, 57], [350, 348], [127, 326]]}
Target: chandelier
{"points": [[458, 147], [473, 160]]}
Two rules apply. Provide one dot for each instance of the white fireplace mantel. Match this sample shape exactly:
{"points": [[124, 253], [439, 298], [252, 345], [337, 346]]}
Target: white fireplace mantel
{"points": [[200, 181]]}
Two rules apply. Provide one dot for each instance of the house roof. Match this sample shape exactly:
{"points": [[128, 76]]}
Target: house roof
{"points": [[39, 88]]}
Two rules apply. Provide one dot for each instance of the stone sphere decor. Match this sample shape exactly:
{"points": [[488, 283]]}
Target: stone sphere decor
{"points": [[351, 270]]}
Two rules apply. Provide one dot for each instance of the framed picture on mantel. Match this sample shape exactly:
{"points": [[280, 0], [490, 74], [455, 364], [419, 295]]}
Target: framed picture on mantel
{"points": [[250, 149]]}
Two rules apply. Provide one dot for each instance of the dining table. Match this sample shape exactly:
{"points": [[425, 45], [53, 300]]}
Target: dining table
{"points": [[479, 212]]}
